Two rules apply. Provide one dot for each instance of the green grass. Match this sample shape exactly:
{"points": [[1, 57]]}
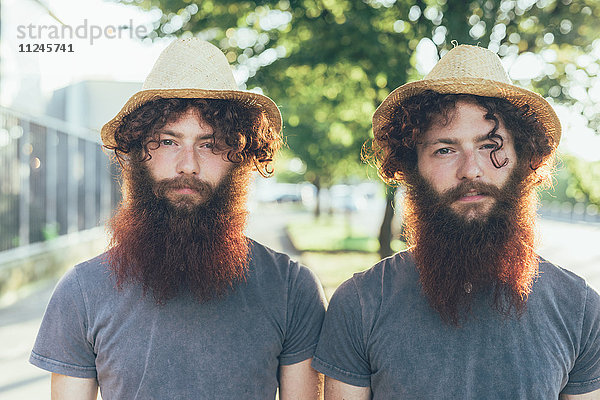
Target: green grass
{"points": [[332, 234]]}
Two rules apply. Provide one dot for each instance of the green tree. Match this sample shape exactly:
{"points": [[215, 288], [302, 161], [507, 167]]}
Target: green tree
{"points": [[330, 63]]}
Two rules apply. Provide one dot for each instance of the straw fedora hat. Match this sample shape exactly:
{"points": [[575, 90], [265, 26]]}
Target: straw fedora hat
{"points": [[471, 70], [191, 68]]}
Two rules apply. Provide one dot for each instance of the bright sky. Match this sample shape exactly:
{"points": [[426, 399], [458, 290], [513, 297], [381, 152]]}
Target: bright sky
{"points": [[123, 59], [128, 59]]}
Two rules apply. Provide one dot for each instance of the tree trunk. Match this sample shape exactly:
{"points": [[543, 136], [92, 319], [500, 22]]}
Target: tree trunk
{"points": [[317, 183], [385, 232]]}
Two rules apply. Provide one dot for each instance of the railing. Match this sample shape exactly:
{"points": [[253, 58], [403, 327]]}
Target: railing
{"points": [[54, 179]]}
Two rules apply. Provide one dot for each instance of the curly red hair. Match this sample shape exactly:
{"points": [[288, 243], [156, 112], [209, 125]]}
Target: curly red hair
{"points": [[244, 131], [393, 149]]}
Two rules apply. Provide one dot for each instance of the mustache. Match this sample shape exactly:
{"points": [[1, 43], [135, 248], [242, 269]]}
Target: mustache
{"points": [[451, 195], [183, 182]]}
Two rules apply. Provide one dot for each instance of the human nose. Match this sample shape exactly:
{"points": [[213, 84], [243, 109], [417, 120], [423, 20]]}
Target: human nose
{"points": [[470, 166], [187, 162]]}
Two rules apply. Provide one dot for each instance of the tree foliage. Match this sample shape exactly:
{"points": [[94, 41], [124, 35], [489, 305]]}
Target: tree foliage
{"points": [[330, 63]]}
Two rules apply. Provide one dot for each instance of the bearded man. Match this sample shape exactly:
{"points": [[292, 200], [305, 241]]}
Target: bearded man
{"points": [[183, 305], [469, 311]]}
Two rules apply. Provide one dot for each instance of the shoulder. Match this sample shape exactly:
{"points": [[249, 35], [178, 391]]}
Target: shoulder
{"points": [[273, 265], [94, 267], [557, 275], [560, 283], [388, 275], [91, 272], [281, 281], [76, 290], [89, 281], [399, 265], [261, 254], [565, 292], [369, 289]]}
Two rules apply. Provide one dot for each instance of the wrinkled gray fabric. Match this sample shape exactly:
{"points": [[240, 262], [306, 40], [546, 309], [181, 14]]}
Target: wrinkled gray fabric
{"points": [[229, 348], [380, 331]]}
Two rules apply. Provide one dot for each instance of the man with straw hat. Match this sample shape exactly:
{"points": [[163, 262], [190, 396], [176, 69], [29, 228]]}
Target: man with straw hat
{"points": [[183, 305], [469, 311]]}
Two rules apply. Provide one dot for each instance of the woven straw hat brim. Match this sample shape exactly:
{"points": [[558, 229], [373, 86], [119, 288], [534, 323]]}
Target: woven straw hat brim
{"points": [[249, 99], [476, 86]]}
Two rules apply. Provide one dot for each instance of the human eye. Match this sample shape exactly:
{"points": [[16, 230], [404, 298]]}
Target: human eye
{"points": [[207, 145], [166, 142], [442, 151], [489, 146]]}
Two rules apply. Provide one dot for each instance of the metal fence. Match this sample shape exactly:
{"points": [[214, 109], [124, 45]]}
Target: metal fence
{"points": [[54, 179]]}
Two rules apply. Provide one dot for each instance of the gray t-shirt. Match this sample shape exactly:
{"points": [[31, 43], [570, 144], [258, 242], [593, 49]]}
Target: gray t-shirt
{"points": [[230, 348], [381, 332]]}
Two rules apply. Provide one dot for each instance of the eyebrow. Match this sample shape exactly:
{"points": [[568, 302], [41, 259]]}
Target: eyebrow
{"points": [[179, 135], [478, 139]]}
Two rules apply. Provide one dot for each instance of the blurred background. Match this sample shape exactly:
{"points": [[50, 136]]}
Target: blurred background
{"points": [[67, 67]]}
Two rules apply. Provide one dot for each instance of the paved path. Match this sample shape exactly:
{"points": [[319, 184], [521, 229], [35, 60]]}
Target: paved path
{"points": [[19, 323], [574, 246]]}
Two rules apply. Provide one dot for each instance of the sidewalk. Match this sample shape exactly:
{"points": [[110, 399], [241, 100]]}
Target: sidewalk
{"points": [[19, 323]]}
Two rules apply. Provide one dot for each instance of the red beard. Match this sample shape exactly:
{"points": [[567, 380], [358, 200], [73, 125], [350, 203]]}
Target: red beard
{"points": [[170, 246], [459, 258]]}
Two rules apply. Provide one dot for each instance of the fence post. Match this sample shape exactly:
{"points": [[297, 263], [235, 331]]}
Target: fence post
{"points": [[106, 188], [24, 188], [73, 174], [91, 175], [51, 177]]}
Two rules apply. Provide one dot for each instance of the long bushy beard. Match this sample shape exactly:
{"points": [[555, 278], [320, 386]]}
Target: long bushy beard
{"points": [[175, 246], [459, 258]]}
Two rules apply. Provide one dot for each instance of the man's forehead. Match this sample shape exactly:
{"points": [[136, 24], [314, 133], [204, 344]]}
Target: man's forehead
{"points": [[465, 121], [191, 113], [190, 117]]}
